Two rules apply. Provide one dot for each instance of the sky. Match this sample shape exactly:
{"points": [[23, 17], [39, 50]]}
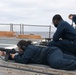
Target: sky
{"points": [[35, 12]]}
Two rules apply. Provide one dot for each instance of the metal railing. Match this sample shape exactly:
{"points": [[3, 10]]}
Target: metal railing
{"points": [[22, 27]]}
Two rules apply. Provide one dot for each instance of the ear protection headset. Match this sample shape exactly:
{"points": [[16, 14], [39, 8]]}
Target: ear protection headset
{"points": [[22, 47]]}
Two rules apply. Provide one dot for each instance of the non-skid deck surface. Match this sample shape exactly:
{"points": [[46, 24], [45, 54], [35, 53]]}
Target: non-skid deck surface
{"points": [[10, 67]]}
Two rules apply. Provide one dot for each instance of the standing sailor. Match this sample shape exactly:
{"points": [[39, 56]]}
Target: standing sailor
{"points": [[73, 18]]}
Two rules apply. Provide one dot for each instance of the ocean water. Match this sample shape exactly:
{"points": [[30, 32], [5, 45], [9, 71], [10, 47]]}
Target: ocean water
{"points": [[42, 34]]}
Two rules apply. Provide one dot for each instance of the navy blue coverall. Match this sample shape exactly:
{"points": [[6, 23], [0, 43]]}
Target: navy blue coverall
{"points": [[67, 34], [52, 56], [74, 19]]}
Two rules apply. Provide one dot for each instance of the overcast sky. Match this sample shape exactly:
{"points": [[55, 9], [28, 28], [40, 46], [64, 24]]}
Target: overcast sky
{"points": [[35, 11]]}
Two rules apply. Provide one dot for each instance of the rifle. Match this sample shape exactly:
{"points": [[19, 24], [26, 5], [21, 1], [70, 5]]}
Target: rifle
{"points": [[8, 52]]}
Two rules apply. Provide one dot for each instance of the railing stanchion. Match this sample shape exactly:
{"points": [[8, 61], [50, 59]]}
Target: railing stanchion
{"points": [[22, 28], [11, 27], [50, 31]]}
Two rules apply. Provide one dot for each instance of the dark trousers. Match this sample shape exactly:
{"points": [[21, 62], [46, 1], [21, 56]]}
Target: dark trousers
{"points": [[58, 60], [65, 45]]}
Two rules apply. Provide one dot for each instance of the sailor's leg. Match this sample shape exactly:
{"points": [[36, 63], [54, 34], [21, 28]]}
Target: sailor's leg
{"points": [[56, 60], [64, 45], [69, 56]]}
